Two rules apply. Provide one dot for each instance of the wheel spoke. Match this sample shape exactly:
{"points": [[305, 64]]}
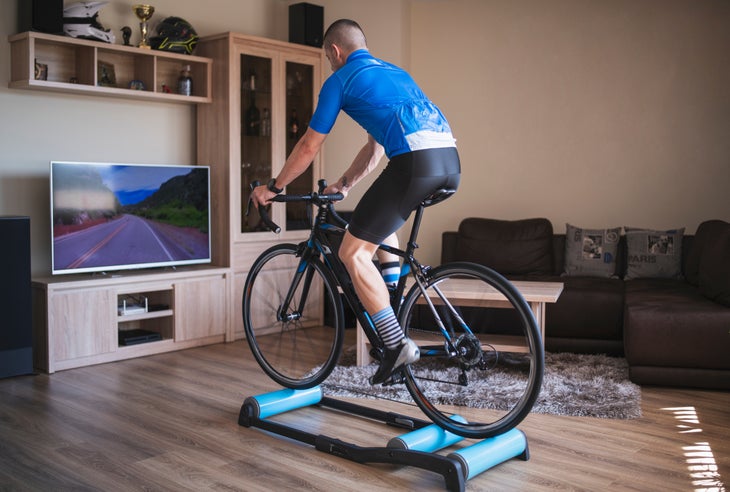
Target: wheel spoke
{"points": [[476, 366], [284, 318]]}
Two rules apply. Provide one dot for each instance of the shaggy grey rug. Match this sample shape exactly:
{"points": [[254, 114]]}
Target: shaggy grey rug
{"points": [[574, 385]]}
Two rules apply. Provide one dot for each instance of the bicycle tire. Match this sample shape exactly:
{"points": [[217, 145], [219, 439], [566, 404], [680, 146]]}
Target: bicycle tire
{"points": [[442, 380], [297, 345]]}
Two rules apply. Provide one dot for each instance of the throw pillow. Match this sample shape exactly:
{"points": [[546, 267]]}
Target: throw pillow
{"points": [[654, 254], [591, 252], [518, 247], [714, 271]]}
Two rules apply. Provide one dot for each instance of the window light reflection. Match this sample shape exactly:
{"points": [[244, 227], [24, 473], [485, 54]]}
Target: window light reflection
{"points": [[701, 462]]}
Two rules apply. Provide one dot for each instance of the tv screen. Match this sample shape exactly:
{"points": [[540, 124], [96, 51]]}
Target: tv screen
{"points": [[109, 217]]}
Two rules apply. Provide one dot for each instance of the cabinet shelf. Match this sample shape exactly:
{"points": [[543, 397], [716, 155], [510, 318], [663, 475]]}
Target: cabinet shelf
{"points": [[76, 321], [163, 313], [240, 148], [63, 64]]}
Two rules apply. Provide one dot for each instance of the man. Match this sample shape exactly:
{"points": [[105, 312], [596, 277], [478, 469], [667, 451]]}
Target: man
{"points": [[402, 123]]}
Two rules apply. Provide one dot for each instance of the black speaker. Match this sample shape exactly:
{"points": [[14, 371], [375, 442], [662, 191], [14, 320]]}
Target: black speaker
{"points": [[306, 24], [16, 335], [40, 15]]}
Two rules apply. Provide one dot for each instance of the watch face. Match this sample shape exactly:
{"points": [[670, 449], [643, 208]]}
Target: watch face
{"points": [[271, 185]]}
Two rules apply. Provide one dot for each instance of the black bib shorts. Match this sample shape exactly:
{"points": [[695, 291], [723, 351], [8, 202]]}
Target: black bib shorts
{"points": [[404, 183]]}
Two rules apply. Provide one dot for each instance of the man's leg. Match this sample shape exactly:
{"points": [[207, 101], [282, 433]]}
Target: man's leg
{"points": [[357, 255], [389, 263]]}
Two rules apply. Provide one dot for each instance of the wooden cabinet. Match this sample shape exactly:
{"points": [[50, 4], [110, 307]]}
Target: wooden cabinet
{"points": [[81, 320], [264, 93], [57, 63]]}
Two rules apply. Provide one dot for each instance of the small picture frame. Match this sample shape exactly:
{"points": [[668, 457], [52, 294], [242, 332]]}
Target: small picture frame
{"points": [[41, 71], [105, 76], [137, 85]]}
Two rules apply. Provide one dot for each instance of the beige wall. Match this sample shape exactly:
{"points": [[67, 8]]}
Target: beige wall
{"points": [[595, 112], [599, 113]]}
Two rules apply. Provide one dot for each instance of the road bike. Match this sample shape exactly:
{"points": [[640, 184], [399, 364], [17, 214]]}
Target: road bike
{"points": [[294, 323]]}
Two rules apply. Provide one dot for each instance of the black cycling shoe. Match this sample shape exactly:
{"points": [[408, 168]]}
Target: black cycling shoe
{"points": [[405, 353]]}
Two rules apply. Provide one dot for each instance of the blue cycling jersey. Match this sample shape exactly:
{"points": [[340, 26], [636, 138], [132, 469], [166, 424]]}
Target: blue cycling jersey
{"points": [[386, 102]]}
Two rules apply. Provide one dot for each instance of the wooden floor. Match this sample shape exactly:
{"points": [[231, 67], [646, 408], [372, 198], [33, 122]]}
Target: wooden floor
{"points": [[169, 422]]}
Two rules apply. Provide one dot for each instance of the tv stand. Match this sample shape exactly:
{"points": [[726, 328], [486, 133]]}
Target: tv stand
{"points": [[77, 322]]}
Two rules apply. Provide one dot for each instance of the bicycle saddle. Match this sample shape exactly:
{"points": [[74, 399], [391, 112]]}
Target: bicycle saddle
{"points": [[437, 196]]}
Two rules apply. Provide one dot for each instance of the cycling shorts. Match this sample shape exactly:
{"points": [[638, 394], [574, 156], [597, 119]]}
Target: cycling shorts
{"points": [[405, 182]]}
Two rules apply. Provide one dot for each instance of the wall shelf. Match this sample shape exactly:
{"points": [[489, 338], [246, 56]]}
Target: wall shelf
{"points": [[81, 66]]}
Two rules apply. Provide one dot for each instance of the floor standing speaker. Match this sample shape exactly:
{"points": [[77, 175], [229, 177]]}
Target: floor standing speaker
{"points": [[41, 16], [306, 24], [16, 336]]}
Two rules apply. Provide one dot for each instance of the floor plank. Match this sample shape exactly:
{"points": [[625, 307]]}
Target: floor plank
{"points": [[169, 422]]}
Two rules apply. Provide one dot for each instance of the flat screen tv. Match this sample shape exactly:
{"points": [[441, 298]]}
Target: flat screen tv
{"points": [[108, 217]]}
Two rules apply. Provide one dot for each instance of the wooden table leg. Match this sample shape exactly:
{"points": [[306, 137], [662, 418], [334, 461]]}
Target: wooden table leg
{"points": [[538, 310], [362, 350]]}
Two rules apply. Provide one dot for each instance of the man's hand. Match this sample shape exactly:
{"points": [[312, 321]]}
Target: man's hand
{"points": [[262, 196], [337, 187]]}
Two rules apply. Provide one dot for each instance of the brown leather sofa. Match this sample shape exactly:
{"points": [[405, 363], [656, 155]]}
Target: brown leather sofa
{"points": [[672, 331]]}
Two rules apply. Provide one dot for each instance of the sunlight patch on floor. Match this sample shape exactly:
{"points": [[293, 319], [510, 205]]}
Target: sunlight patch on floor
{"points": [[701, 462]]}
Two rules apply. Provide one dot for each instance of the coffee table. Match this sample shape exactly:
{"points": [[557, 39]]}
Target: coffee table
{"points": [[537, 295]]}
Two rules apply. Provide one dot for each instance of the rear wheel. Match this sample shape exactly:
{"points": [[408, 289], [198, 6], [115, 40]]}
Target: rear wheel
{"points": [[292, 316], [493, 359]]}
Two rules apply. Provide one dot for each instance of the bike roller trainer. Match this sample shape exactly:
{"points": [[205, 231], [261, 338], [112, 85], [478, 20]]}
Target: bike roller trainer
{"points": [[417, 448]]}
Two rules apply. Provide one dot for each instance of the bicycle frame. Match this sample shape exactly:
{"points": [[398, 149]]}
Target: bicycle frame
{"points": [[319, 244], [454, 350]]}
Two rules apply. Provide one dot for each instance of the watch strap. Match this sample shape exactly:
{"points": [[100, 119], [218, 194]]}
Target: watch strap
{"points": [[271, 186]]}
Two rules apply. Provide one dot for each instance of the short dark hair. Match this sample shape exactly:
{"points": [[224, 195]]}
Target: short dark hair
{"points": [[345, 33]]}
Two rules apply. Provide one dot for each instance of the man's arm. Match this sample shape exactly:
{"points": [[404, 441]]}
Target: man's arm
{"points": [[365, 161], [298, 161]]}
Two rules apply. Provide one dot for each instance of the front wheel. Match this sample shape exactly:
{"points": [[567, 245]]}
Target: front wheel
{"points": [[474, 353], [292, 316]]}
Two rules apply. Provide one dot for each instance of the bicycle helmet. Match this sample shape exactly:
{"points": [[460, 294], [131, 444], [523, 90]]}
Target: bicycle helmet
{"points": [[176, 35], [80, 20]]}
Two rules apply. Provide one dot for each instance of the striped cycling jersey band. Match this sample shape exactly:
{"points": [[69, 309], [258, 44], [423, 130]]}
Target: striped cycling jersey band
{"points": [[428, 139]]}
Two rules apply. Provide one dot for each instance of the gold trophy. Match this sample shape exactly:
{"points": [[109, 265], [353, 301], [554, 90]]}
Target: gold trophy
{"points": [[143, 13]]}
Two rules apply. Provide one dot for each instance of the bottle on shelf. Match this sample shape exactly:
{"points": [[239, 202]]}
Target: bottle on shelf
{"points": [[253, 118], [266, 124], [185, 82], [252, 80], [294, 124]]}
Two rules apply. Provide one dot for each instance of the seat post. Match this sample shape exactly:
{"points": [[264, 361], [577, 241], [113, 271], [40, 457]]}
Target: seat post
{"points": [[414, 230], [434, 198]]}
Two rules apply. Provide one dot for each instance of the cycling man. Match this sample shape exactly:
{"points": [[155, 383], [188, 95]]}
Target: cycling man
{"points": [[402, 123]]}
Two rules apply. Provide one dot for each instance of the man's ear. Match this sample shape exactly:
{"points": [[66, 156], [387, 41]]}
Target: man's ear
{"points": [[337, 52]]}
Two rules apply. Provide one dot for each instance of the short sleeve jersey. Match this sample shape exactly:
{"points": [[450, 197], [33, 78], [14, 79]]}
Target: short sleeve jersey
{"points": [[386, 102]]}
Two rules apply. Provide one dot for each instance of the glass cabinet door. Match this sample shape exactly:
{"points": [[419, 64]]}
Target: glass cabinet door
{"points": [[277, 95], [299, 109], [256, 146]]}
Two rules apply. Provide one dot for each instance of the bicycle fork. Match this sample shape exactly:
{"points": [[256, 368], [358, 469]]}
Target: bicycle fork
{"points": [[305, 270]]}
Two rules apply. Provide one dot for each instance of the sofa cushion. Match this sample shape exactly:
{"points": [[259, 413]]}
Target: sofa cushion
{"points": [[706, 233], [588, 307], [654, 254], [714, 271], [668, 323], [519, 247], [591, 252]]}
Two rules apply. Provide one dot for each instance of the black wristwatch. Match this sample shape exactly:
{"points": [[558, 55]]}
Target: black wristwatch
{"points": [[271, 185]]}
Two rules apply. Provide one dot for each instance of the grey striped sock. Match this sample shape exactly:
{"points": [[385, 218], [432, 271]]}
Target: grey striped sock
{"points": [[388, 328]]}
